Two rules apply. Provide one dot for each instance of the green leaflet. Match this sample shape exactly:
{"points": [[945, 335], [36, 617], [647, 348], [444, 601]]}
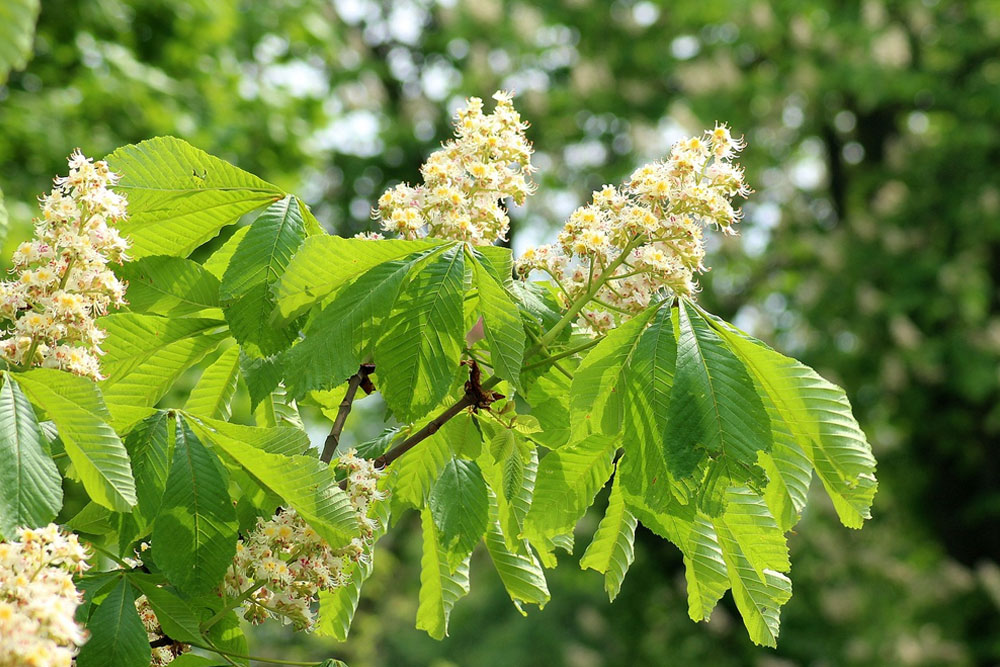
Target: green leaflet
{"points": [[324, 263], [180, 196], [714, 411], [194, 534], [611, 551], [303, 482], [501, 321], [277, 409], [74, 404], [146, 354], [567, 481], [519, 570], [418, 354], [283, 439], [17, 31], [176, 617], [262, 375], [814, 416], [414, 473], [257, 263], [511, 512], [459, 506], [167, 285], [218, 261], [440, 586], [227, 634], [213, 394], [30, 484], [117, 636], [149, 448], [549, 401]]}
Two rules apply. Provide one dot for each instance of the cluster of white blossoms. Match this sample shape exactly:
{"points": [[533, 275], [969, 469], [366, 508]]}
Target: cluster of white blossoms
{"points": [[38, 599], [162, 655], [62, 281], [643, 242], [488, 161], [284, 563]]}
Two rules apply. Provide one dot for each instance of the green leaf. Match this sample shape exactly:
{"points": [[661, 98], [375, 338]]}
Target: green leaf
{"points": [[167, 285], [278, 409], [511, 512], [285, 440], [149, 449], [714, 411], [567, 482], [501, 324], [519, 570], [349, 325], [117, 636], [194, 535], [419, 352], [262, 375], [180, 196], [460, 508], [414, 473], [304, 482], [146, 354], [17, 31], [324, 263], [611, 551], [440, 586], [549, 401], [213, 394], [753, 531], [255, 266], [176, 617], [814, 416], [30, 484], [227, 634], [74, 404], [218, 261], [93, 519]]}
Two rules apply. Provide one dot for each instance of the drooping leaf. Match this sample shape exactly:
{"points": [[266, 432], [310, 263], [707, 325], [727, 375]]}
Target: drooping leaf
{"points": [[278, 409], [258, 262], [180, 196], [440, 586], [549, 400], [194, 534], [117, 636], [166, 285], [414, 473], [460, 508], [501, 323], [419, 352], [511, 512], [324, 263], [17, 31], [611, 551], [262, 375], [74, 404], [519, 569], [30, 484], [213, 394], [227, 634]]}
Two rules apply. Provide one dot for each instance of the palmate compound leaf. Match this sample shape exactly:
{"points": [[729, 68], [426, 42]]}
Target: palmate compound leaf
{"points": [[813, 420], [612, 550], [418, 354], [440, 586], [195, 531], [714, 411], [75, 405], [180, 197], [501, 321], [256, 265], [324, 263], [460, 508], [30, 484]]}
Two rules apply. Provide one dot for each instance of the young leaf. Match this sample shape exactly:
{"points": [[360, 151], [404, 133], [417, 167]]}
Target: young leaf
{"points": [[117, 636], [501, 324], [324, 263], [167, 285], [149, 449], [212, 396], [194, 535], [414, 473], [74, 404], [418, 355], [519, 570], [816, 416], [30, 484], [256, 265], [440, 586], [714, 409], [611, 551], [459, 507], [511, 512], [180, 196]]}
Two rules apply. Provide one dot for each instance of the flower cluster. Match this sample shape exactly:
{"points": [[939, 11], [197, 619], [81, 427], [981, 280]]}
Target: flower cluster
{"points": [[642, 242], [162, 655], [465, 181], [38, 599], [283, 563], [63, 282]]}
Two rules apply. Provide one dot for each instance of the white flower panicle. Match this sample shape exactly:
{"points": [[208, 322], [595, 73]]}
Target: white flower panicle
{"points": [[38, 599], [284, 563], [643, 241], [488, 161], [162, 655], [62, 281]]}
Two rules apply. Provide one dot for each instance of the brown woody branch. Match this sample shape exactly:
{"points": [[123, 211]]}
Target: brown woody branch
{"points": [[359, 379]]}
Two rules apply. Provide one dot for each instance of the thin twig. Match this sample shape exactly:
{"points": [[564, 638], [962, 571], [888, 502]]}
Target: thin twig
{"points": [[333, 440]]}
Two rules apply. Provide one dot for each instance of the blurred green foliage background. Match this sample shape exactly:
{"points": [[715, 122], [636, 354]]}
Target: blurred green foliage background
{"points": [[871, 250]]}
